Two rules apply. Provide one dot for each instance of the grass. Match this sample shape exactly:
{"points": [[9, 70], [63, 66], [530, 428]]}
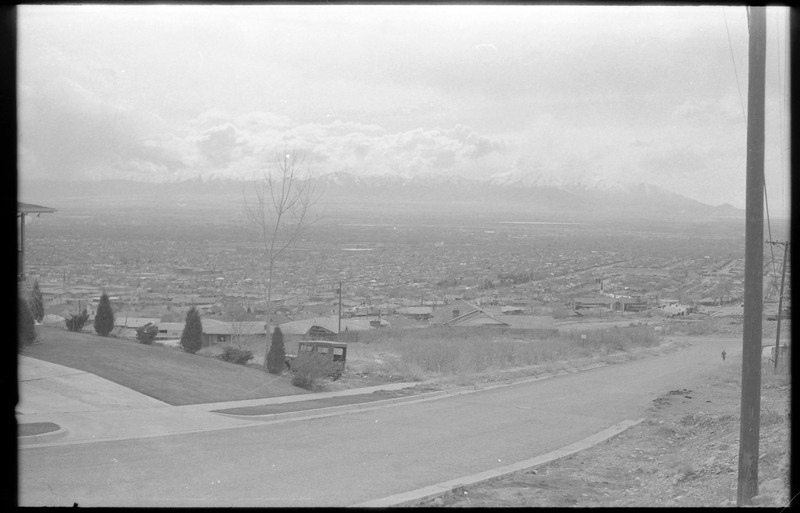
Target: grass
{"points": [[446, 352], [392, 354], [166, 374]]}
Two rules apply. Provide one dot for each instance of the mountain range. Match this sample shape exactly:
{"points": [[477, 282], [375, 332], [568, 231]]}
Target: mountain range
{"points": [[347, 194]]}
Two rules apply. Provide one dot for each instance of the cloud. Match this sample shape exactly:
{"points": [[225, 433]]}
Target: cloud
{"points": [[218, 144]]}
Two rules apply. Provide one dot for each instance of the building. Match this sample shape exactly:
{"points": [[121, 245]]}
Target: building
{"points": [[464, 313], [418, 313], [615, 304], [325, 328], [221, 332]]}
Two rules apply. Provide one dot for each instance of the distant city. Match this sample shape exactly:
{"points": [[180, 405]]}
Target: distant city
{"points": [[161, 269]]}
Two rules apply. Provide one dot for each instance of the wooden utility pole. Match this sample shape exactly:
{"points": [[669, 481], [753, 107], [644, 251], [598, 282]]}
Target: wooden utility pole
{"points": [[340, 310], [753, 263], [780, 300]]}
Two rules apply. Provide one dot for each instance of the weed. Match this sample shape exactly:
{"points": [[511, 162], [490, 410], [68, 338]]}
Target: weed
{"points": [[309, 368]]}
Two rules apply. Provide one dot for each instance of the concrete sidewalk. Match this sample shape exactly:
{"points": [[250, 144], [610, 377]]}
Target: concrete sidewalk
{"points": [[87, 408]]}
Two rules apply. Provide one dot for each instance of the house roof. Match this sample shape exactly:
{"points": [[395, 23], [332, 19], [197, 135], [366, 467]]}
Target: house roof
{"points": [[417, 310], [606, 300], [468, 314], [475, 318], [331, 324], [217, 327], [172, 326], [444, 314], [134, 322], [29, 208]]}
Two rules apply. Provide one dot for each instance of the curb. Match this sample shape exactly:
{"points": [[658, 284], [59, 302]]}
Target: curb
{"points": [[430, 492], [383, 403], [42, 438], [341, 409]]}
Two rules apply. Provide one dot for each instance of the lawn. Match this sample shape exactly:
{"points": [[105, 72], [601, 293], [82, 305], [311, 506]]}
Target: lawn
{"points": [[166, 374]]}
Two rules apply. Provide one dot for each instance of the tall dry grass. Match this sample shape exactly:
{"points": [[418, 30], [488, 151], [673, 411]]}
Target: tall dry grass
{"points": [[441, 352]]}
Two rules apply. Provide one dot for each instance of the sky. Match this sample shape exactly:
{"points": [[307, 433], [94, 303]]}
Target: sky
{"points": [[545, 94]]}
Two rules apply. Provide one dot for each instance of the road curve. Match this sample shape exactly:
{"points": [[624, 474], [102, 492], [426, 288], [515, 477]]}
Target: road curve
{"points": [[364, 455]]}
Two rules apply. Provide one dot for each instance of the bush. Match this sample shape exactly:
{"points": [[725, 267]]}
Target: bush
{"points": [[309, 368], [26, 327], [147, 333], [192, 336], [276, 357], [37, 302], [236, 355], [77, 322], [104, 319]]}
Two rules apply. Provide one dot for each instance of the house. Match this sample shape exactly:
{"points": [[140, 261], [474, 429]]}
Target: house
{"points": [[532, 326], [221, 332], [419, 313], [677, 310], [170, 330], [464, 313], [125, 326], [123, 321], [324, 328], [615, 304]]}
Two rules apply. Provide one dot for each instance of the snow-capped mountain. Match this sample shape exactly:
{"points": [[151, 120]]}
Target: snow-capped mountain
{"points": [[363, 194]]}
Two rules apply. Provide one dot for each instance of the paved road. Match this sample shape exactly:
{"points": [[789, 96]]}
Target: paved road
{"points": [[363, 455]]}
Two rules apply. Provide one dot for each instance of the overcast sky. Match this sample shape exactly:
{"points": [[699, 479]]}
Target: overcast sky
{"points": [[566, 94]]}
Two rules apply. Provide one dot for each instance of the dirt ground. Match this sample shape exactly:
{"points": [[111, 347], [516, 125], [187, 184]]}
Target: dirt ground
{"points": [[684, 454]]}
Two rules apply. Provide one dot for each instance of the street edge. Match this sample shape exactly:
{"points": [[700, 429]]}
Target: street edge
{"points": [[431, 492], [383, 403], [316, 413]]}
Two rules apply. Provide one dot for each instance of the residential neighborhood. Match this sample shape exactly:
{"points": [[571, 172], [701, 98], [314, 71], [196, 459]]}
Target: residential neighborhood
{"points": [[510, 280]]}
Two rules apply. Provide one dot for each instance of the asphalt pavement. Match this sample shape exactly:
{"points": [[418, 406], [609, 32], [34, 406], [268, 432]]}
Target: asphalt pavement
{"points": [[88, 409]]}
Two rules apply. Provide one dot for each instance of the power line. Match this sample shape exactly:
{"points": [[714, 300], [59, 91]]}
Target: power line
{"points": [[733, 59], [744, 115], [780, 299]]}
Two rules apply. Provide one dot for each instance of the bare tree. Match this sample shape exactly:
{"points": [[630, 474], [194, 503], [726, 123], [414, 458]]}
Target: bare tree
{"points": [[280, 205]]}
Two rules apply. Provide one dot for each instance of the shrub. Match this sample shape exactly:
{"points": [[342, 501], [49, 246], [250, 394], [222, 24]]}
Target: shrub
{"points": [[236, 355], [37, 302], [104, 319], [77, 322], [276, 357], [309, 368], [147, 333], [26, 328], [192, 336]]}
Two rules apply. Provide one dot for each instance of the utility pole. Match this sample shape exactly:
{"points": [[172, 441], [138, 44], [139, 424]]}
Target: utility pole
{"points": [[340, 309], [780, 299], [753, 263]]}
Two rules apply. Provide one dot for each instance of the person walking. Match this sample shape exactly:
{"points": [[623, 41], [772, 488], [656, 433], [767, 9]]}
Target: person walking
{"points": [[723, 355]]}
